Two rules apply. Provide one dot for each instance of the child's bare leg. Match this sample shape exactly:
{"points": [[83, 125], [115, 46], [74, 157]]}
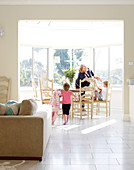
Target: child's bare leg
{"points": [[54, 117], [67, 117]]}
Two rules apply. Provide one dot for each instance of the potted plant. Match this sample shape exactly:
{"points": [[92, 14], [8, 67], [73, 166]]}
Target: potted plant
{"points": [[70, 73]]}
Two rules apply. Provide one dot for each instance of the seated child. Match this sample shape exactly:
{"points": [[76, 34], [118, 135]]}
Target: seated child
{"points": [[103, 91]]}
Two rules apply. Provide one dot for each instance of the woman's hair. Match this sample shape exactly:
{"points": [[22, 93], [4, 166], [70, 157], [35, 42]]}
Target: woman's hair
{"points": [[66, 86], [106, 83], [81, 68]]}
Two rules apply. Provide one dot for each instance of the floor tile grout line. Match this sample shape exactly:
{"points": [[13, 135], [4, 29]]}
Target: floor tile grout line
{"points": [[118, 161]]}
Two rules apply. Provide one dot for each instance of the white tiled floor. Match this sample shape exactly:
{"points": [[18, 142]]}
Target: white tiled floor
{"points": [[111, 147]]}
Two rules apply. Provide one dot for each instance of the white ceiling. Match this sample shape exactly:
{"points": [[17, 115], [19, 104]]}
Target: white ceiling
{"points": [[60, 2], [70, 25], [65, 34]]}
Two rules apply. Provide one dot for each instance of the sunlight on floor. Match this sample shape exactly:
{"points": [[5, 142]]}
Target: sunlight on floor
{"points": [[97, 127], [67, 127], [99, 116]]}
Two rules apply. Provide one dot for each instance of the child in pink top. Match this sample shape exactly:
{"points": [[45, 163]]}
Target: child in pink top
{"points": [[66, 101]]}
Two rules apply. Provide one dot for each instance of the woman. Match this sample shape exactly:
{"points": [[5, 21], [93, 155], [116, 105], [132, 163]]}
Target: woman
{"points": [[83, 73]]}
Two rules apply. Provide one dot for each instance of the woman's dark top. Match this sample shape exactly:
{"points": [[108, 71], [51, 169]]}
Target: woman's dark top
{"points": [[81, 76]]}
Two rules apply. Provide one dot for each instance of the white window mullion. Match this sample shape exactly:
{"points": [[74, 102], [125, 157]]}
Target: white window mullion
{"points": [[94, 60], [32, 62], [48, 63], [108, 62]]}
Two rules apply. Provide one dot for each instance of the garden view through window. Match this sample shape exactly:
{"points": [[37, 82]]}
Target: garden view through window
{"points": [[33, 64], [106, 62]]}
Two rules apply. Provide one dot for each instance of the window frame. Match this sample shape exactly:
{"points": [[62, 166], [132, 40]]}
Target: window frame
{"points": [[32, 57], [109, 63], [49, 57]]}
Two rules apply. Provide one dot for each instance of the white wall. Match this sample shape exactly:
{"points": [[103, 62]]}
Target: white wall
{"points": [[10, 15], [117, 100]]}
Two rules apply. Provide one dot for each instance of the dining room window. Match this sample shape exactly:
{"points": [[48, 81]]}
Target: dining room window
{"points": [[33, 64], [25, 66], [40, 66], [116, 65], [108, 63], [64, 59], [101, 63]]}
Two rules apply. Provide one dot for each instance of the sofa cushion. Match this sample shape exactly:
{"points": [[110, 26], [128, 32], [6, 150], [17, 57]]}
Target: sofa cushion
{"points": [[9, 109], [12, 102], [28, 107]]}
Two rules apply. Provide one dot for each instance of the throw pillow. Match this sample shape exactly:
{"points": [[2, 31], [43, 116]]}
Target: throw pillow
{"points": [[9, 109]]}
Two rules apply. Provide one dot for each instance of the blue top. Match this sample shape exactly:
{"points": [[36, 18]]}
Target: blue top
{"points": [[81, 76]]}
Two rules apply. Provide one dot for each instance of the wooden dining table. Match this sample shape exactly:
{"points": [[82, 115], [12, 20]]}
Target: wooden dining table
{"points": [[73, 90]]}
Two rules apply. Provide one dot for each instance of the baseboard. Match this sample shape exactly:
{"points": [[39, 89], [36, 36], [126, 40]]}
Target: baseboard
{"points": [[117, 109], [126, 118], [131, 119]]}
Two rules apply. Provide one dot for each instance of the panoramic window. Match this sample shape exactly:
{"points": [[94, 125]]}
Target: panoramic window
{"points": [[25, 66], [39, 63], [108, 63], [64, 59], [101, 63], [116, 65], [33, 64]]}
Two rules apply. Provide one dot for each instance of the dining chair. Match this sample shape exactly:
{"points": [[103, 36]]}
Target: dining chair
{"points": [[46, 90], [105, 104], [85, 96], [4, 89], [76, 104], [97, 105]]}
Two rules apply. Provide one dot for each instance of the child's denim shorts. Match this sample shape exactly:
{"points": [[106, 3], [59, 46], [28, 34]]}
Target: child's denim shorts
{"points": [[99, 96]]}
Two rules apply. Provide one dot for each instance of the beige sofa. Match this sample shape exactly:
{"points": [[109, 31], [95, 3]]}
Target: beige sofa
{"points": [[25, 137]]}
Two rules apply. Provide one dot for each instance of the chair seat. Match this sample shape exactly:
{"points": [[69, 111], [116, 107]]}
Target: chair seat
{"points": [[101, 101], [46, 101], [76, 101], [86, 102], [83, 114], [82, 102]]}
